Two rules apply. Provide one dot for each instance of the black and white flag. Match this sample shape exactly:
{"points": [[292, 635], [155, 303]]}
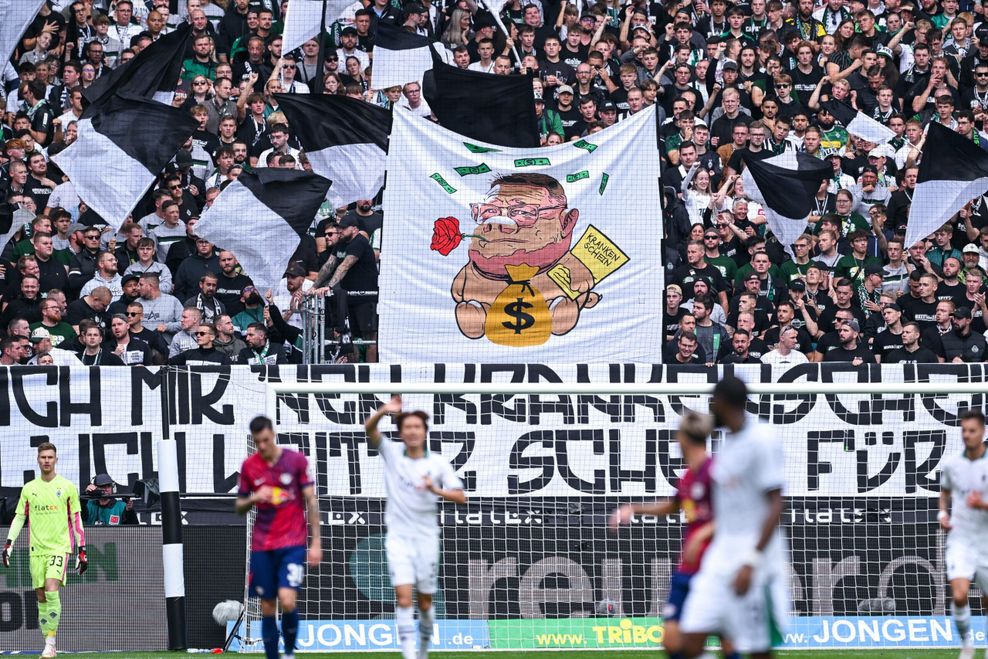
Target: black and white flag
{"points": [[15, 17], [260, 218], [346, 141], [304, 20], [400, 56], [858, 123], [953, 171], [785, 185], [120, 151], [153, 74]]}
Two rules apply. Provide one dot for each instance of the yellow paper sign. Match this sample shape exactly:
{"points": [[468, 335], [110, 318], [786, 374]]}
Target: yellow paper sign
{"points": [[597, 252]]}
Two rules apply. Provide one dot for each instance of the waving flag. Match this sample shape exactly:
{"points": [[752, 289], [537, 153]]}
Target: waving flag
{"points": [[153, 74], [515, 255], [120, 151], [400, 56], [15, 16], [858, 123], [785, 185], [303, 20], [483, 106], [261, 217], [953, 171], [346, 141]]}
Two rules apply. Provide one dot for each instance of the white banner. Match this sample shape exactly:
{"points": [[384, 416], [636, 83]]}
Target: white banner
{"points": [[106, 420], [512, 255]]}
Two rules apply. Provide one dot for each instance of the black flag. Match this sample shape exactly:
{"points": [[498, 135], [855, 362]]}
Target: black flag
{"points": [[153, 74], [491, 108]]}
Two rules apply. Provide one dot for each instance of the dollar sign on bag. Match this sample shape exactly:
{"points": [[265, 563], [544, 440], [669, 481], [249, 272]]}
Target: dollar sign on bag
{"points": [[519, 315], [522, 320]]}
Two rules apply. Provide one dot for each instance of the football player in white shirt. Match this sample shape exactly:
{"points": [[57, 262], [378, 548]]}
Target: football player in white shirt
{"points": [[415, 480], [741, 590], [964, 515]]}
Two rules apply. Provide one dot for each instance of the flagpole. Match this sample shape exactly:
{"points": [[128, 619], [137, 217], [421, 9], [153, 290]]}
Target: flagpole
{"points": [[321, 57], [507, 35]]}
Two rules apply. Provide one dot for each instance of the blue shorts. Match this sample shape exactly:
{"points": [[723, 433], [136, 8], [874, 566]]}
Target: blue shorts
{"points": [[679, 588], [275, 569]]}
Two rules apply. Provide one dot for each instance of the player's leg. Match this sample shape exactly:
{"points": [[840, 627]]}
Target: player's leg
{"points": [[402, 572], [264, 585], [961, 566], [426, 583], [54, 578], [679, 588], [703, 613], [291, 574]]}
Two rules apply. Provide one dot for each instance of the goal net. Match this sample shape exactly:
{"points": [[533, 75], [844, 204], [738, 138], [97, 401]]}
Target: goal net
{"points": [[529, 562]]}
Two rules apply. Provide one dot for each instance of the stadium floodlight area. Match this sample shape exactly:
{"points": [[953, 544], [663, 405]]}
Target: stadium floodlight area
{"points": [[530, 563]]}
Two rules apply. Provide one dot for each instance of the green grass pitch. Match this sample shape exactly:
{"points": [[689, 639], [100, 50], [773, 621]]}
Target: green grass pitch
{"points": [[583, 654]]}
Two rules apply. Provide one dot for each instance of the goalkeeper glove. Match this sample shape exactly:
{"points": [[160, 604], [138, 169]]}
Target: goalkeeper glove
{"points": [[81, 561], [6, 553]]}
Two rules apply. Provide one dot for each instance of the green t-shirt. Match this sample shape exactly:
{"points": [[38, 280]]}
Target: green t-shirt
{"points": [[48, 507], [728, 268], [852, 268], [59, 333], [835, 138], [791, 271]]}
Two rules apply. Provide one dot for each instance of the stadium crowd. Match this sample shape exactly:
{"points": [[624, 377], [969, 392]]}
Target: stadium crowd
{"points": [[727, 79]]}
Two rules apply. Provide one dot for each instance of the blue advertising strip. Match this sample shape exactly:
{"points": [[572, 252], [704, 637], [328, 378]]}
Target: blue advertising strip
{"points": [[819, 632], [376, 635]]}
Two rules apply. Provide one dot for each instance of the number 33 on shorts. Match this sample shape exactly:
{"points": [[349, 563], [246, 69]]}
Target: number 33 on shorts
{"points": [[295, 574]]}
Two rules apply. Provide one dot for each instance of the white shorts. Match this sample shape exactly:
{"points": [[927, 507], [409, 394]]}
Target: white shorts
{"points": [[413, 561], [754, 622], [964, 561]]}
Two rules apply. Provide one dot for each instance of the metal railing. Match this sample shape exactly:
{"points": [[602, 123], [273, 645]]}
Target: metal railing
{"points": [[318, 343]]}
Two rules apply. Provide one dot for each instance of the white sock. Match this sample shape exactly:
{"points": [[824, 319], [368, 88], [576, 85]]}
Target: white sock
{"points": [[405, 620], [426, 621], [962, 618]]}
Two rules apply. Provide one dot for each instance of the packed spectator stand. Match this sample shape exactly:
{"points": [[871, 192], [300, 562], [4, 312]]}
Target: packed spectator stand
{"points": [[731, 82]]}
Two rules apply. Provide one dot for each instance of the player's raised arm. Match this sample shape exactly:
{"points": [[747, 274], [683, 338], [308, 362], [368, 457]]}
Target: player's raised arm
{"points": [[370, 426]]}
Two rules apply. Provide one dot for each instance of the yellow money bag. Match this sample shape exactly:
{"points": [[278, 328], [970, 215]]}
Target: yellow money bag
{"points": [[519, 316]]}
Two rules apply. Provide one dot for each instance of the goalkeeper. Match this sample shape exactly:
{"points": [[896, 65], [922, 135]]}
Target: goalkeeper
{"points": [[51, 504]]}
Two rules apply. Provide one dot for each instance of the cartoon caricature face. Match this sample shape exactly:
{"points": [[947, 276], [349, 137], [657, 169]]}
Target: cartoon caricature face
{"points": [[523, 220]]}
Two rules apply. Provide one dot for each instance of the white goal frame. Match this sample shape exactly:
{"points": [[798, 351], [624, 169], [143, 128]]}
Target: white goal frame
{"points": [[790, 390]]}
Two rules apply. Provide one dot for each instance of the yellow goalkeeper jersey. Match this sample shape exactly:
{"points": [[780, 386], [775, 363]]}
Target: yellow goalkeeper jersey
{"points": [[50, 509]]}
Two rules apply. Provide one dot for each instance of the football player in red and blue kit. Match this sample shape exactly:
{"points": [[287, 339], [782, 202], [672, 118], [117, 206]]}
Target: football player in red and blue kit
{"points": [[277, 481], [694, 498]]}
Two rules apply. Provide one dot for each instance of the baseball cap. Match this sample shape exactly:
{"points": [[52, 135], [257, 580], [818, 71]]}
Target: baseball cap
{"points": [[349, 221], [40, 334], [608, 106], [183, 159], [103, 480], [415, 8], [751, 275], [853, 324], [77, 227], [131, 277], [970, 248], [831, 153], [962, 312], [538, 98], [294, 270], [564, 89], [797, 285], [730, 65], [349, 29], [878, 152], [894, 307], [874, 269]]}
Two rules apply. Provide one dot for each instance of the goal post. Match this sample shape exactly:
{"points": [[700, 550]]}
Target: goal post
{"points": [[529, 562]]}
